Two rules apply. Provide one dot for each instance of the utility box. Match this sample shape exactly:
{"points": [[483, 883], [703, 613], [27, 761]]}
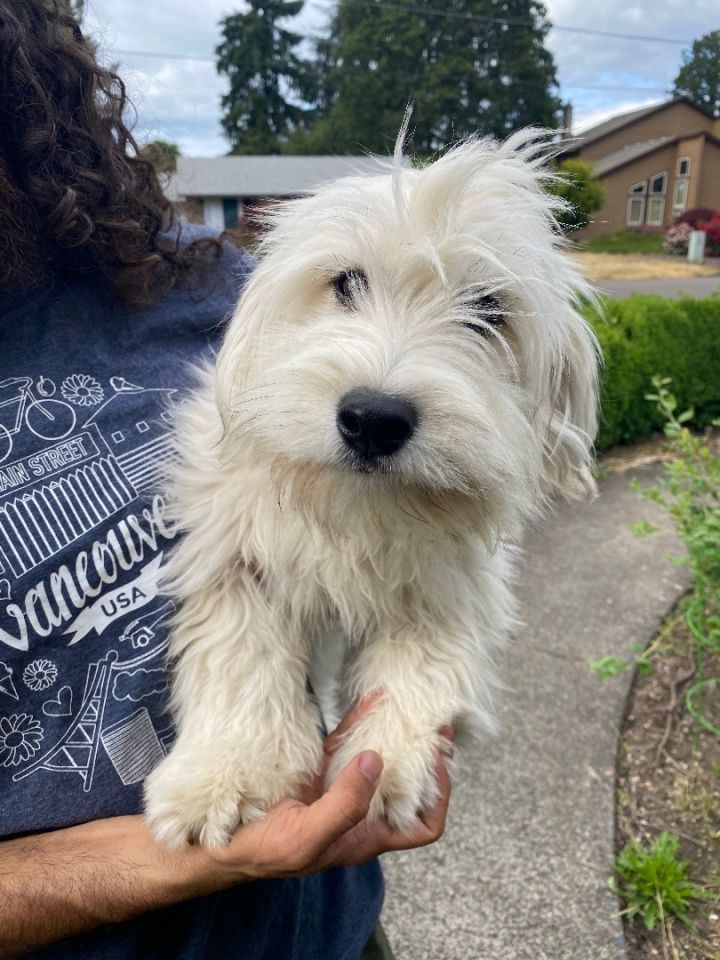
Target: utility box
{"points": [[696, 246]]}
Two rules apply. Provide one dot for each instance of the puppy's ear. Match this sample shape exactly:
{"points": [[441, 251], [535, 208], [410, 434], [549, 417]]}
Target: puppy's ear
{"points": [[573, 416]]}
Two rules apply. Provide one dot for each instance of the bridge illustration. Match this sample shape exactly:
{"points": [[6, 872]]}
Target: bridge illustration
{"points": [[133, 745]]}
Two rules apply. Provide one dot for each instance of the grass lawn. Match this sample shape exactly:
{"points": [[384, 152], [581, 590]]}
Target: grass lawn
{"points": [[638, 266], [625, 241]]}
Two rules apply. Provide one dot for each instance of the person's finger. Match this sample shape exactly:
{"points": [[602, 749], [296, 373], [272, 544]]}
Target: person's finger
{"points": [[345, 804]]}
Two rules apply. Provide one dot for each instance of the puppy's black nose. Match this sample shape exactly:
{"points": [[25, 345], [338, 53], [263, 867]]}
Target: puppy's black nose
{"points": [[375, 424]]}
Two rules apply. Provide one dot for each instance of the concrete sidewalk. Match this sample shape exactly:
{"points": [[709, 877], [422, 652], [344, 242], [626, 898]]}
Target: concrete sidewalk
{"points": [[521, 873], [679, 287]]}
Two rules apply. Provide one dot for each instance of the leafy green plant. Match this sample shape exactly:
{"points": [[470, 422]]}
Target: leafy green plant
{"points": [[578, 185], [689, 492], [653, 883], [642, 335], [609, 667]]}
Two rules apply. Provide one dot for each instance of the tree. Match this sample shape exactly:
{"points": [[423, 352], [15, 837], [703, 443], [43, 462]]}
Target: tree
{"points": [[579, 186], [267, 77], [162, 155], [699, 76], [76, 8], [470, 66]]}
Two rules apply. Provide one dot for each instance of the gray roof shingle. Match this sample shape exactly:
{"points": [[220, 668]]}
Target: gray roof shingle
{"points": [[267, 176], [632, 151]]}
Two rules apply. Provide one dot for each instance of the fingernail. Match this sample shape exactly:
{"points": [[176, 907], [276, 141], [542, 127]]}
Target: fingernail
{"points": [[371, 765]]}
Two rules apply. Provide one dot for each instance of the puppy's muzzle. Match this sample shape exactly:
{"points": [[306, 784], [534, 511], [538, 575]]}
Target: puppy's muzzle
{"points": [[374, 424]]}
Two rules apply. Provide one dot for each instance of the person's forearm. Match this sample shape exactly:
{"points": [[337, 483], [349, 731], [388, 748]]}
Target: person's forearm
{"points": [[55, 885]]}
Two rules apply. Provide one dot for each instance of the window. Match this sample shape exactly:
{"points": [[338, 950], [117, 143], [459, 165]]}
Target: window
{"points": [[658, 183], [230, 212], [646, 201], [167, 416], [118, 436], [142, 426], [635, 211], [680, 196], [683, 167], [655, 211]]}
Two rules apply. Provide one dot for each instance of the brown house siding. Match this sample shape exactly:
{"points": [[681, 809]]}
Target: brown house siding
{"points": [[613, 215], [711, 176], [674, 120]]}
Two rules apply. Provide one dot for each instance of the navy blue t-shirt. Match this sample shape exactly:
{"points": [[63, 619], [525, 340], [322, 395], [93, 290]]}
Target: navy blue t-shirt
{"points": [[87, 387]]}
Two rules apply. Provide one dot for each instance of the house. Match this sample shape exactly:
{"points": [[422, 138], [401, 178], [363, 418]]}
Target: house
{"points": [[654, 163], [218, 190]]}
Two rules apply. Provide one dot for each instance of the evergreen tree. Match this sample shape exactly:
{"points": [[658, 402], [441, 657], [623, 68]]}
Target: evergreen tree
{"points": [[468, 66], [267, 77], [162, 155], [699, 77], [76, 8]]}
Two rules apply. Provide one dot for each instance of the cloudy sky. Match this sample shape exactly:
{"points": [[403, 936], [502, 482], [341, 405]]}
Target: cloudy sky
{"points": [[177, 91]]}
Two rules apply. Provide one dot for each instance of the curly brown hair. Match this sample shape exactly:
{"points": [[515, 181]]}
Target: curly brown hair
{"points": [[77, 197]]}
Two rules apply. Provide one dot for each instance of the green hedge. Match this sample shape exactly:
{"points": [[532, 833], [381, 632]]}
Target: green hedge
{"points": [[645, 335]]}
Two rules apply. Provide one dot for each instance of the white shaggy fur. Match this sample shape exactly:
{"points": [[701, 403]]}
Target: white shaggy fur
{"points": [[287, 547]]}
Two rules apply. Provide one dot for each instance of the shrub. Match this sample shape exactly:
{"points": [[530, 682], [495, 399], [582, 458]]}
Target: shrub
{"points": [[712, 229], [677, 238], [644, 335], [697, 217], [581, 189]]}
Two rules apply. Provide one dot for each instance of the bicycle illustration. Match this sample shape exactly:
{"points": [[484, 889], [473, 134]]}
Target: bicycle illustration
{"points": [[44, 417]]}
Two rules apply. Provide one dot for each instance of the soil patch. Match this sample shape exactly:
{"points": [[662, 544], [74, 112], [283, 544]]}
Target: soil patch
{"points": [[668, 778]]}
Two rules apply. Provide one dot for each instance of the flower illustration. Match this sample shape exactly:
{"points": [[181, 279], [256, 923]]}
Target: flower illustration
{"points": [[40, 674], [20, 736], [82, 390]]}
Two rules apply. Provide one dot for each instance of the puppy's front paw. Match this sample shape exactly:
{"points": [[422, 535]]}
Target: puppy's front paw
{"points": [[200, 797], [185, 802], [408, 784]]}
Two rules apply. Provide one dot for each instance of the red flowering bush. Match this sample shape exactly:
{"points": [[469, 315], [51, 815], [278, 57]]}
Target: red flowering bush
{"points": [[675, 240], [712, 228], [697, 218]]}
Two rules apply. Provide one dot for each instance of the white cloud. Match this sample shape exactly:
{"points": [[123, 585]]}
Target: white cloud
{"points": [[630, 65], [179, 100], [604, 113]]}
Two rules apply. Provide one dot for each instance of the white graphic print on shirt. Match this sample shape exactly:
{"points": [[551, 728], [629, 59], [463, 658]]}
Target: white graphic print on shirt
{"points": [[81, 551]]}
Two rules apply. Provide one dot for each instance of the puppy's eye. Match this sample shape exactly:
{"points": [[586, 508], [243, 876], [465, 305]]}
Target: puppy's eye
{"points": [[348, 284], [490, 311]]}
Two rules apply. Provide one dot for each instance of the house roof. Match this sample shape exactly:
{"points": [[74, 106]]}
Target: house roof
{"points": [[628, 153], [266, 176], [634, 151], [601, 130]]}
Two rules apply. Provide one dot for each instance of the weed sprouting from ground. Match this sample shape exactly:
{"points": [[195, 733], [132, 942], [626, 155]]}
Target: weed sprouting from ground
{"points": [[653, 883]]}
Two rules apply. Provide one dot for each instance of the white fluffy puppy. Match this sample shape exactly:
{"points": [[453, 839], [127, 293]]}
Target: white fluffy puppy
{"points": [[405, 381]]}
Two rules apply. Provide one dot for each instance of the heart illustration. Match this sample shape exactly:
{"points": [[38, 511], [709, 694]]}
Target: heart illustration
{"points": [[61, 706]]}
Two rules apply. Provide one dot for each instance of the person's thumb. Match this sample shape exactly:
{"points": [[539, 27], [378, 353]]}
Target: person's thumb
{"points": [[347, 801]]}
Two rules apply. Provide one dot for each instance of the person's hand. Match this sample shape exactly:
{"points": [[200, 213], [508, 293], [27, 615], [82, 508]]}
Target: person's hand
{"points": [[325, 830]]}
